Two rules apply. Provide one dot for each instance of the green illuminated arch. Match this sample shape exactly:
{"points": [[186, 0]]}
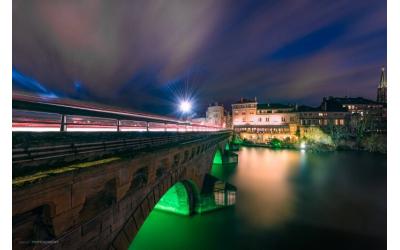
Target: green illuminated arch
{"points": [[217, 163], [179, 199], [217, 157]]}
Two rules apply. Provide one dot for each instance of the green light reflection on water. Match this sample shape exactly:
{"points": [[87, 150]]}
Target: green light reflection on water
{"points": [[175, 200], [169, 222]]}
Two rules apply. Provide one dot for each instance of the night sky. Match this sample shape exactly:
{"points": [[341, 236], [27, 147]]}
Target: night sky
{"points": [[143, 54]]}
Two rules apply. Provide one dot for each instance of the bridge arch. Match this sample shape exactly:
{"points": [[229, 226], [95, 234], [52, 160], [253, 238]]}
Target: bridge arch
{"points": [[172, 194], [217, 159], [181, 198]]}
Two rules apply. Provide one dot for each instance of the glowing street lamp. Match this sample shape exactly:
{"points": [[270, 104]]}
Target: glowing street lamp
{"points": [[185, 106]]}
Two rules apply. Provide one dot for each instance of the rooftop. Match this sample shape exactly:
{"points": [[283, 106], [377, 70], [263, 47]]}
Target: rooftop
{"points": [[304, 108], [274, 106], [330, 107], [244, 100], [351, 100]]}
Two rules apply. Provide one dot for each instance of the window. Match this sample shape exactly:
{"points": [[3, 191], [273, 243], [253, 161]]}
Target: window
{"points": [[267, 119]]}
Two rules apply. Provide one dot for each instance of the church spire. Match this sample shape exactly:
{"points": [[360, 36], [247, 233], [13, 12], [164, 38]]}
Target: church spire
{"points": [[382, 88], [382, 82]]}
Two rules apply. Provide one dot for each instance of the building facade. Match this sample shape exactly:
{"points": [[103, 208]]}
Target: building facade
{"points": [[215, 115], [263, 122], [363, 112]]}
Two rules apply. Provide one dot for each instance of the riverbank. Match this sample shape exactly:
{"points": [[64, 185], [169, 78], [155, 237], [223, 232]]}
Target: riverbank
{"points": [[374, 143]]}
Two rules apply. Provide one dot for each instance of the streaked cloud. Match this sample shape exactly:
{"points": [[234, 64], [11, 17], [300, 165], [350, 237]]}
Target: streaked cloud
{"points": [[129, 52]]}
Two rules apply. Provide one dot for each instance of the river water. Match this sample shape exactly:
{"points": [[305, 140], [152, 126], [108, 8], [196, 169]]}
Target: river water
{"points": [[285, 200]]}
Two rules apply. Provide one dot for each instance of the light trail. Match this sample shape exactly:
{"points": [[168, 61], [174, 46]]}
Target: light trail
{"points": [[32, 117]]}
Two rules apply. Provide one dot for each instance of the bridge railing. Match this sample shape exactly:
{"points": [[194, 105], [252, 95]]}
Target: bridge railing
{"points": [[34, 114], [28, 159]]}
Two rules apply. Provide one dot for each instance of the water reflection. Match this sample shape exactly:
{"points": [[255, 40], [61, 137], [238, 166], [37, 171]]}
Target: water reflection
{"points": [[285, 200], [216, 194], [266, 197]]}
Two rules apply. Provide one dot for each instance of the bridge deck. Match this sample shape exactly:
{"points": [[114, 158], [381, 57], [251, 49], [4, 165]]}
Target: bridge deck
{"points": [[37, 155]]}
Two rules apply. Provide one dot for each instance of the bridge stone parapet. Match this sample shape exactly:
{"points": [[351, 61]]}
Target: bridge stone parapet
{"points": [[103, 205]]}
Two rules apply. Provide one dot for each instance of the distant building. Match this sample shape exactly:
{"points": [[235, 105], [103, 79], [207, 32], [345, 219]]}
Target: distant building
{"points": [[327, 114], [362, 109], [382, 88], [243, 111], [215, 115], [228, 120], [263, 122]]}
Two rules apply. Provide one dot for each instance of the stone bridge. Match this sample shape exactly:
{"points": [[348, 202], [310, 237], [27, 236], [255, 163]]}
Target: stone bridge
{"points": [[99, 198]]}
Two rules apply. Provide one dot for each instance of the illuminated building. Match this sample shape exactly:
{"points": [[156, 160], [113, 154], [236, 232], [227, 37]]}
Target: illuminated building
{"points": [[372, 113], [263, 122], [327, 114], [215, 115]]}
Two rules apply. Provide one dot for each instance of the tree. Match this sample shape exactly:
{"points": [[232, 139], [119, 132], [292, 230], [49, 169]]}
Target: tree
{"points": [[316, 135], [359, 126], [337, 133], [275, 143]]}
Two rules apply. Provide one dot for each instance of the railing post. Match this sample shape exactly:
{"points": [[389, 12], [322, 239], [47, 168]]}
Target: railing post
{"points": [[63, 126], [118, 125], [147, 126], [165, 127]]}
